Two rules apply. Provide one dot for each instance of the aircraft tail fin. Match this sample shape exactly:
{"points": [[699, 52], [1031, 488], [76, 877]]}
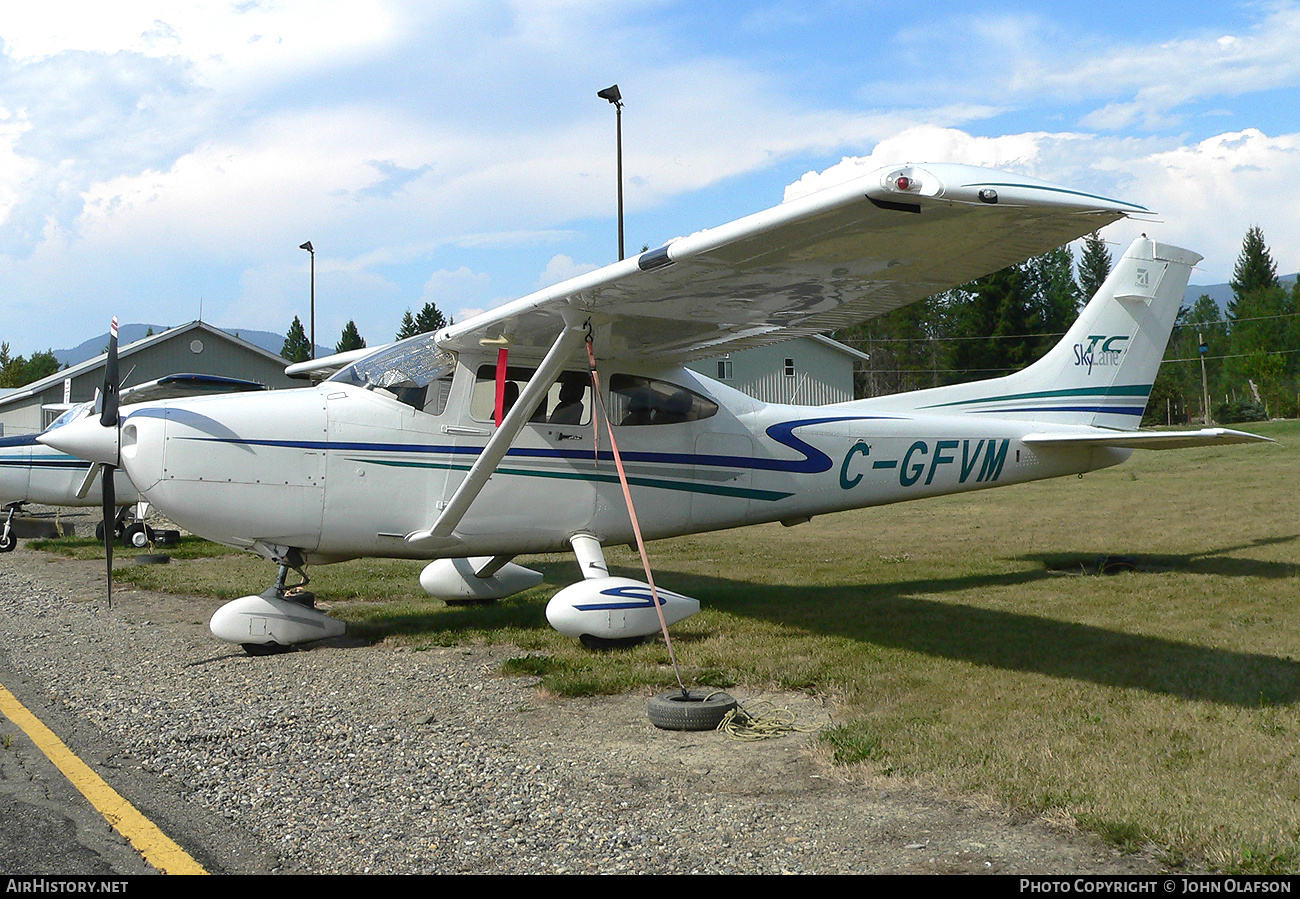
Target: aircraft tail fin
{"points": [[1102, 370]]}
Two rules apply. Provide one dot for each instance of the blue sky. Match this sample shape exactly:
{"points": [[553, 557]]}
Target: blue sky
{"points": [[160, 158]]}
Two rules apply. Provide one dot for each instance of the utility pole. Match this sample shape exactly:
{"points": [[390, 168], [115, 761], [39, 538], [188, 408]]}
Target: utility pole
{"points": [[1205, 390]]}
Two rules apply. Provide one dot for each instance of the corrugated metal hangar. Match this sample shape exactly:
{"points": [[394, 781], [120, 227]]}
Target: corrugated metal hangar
{"points": [[810, 371]]}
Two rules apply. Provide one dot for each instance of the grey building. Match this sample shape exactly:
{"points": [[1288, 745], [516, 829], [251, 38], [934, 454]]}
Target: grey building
{"points": [[195, 348], [810, 371]]}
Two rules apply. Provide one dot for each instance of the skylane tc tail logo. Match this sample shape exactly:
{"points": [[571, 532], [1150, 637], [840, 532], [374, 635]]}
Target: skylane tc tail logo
{"points": [[1100, 350]]}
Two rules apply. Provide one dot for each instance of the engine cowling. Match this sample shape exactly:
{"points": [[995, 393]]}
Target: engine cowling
{"points": [[615, 608]]}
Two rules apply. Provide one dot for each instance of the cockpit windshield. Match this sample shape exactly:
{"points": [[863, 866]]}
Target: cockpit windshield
{"points": [[405, 370]]}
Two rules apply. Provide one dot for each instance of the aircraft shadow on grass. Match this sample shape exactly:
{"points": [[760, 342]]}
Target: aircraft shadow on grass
{"points": [[898, 615]]}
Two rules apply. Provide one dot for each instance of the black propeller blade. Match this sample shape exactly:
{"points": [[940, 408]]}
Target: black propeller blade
{"points": [[108, 417]]}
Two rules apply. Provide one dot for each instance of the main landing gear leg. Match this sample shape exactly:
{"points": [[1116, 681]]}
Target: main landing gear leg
{"points": [[296, 593]]}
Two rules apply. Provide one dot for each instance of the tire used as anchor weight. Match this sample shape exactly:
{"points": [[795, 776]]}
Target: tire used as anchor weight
{"points": [[693, 710]]}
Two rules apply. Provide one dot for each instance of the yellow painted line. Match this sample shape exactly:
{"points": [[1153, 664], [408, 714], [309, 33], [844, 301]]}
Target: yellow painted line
{"points": [[156, 847]]}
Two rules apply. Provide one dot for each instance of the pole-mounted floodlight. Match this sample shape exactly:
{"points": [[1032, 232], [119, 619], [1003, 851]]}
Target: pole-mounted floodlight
{"points": [[308, 247], [612, 94]]}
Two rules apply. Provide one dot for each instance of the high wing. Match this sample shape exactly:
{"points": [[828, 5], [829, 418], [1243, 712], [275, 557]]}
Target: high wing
{"points": [[833, 258]]}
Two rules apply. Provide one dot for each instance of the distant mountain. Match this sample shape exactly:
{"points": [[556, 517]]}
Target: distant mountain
{"points": [[1221, 293], [91, 348]]}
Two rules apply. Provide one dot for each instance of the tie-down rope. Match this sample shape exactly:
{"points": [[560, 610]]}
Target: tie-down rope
{"points": [[631, 510]]}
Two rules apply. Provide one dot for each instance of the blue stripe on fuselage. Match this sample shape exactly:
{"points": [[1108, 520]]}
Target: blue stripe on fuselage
{"points": [[814, 461]]}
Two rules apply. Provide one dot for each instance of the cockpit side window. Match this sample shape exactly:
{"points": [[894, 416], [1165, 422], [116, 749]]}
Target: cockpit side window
{"points": [[413, 371], [568, 402], [635, 400]]}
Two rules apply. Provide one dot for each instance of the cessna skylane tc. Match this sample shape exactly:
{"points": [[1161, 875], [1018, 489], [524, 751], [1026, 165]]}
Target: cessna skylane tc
{"points": [[480, 442], [31, 472]]}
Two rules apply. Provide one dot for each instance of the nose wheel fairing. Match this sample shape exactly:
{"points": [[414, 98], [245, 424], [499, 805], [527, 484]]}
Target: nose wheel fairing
{"points": [[271, 621], [281, 617]]}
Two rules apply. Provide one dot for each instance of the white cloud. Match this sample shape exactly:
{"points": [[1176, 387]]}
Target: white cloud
{"points": [[458, 293], [1205, 195], [928, 143], [150, 150], [217, 35], [562, 268], [1210, 193]]}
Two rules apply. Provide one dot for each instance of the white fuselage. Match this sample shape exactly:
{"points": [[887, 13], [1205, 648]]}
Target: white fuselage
{"points": [[340, 471]]}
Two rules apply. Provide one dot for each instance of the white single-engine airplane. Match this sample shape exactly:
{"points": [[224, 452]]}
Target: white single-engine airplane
{"points": [[31, 472], [475, 444]]}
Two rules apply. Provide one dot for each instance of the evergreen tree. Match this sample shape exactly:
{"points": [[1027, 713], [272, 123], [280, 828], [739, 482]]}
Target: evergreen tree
{"points": [[901, 346], [429, 319], [1255, 269], [1094, 266], [351, 339], [1176, 397], [1053, 297], [988, 321], [407, 328], [297, 346], [41, 365], [1261, 313]]}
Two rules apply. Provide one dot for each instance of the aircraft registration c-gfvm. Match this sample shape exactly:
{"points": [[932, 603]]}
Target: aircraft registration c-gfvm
{"points": [[476, 444]]}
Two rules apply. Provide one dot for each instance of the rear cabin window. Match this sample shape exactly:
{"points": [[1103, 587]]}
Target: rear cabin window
{"points": [[568, 402], [634, 400]]}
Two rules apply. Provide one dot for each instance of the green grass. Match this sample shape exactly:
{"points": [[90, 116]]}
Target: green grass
{"points": [[189, 547], [970, 645]]}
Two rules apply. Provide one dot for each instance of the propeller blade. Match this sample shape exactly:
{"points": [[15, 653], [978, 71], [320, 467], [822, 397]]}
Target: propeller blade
{"points": [[109, 418], [108, 415], [110, 515]]}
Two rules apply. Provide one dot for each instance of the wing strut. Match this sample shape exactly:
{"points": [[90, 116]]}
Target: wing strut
{"points": [[569, 340]]}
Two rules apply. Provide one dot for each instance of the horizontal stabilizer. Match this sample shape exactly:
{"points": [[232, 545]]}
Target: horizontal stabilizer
{"points": [[1146, 439]]}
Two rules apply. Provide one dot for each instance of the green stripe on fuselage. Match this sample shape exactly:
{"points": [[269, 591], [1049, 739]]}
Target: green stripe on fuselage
{"points": [[657, 483], [1129, 390]]}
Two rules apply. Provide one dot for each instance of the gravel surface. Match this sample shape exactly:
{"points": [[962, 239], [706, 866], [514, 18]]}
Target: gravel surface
{"points": [[347, 758]]}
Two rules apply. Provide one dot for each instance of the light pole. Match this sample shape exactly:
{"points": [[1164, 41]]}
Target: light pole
{"points": [[307, 246], [612, 95]]}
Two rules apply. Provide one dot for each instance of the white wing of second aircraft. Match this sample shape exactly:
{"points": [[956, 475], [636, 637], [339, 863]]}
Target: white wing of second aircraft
{"points": [[178, 385], [827, 260], [327, 366]]}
